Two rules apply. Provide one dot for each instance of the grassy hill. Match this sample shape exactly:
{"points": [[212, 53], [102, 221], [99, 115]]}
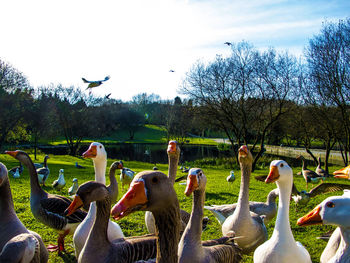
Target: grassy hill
{"points": [[219, 191]]}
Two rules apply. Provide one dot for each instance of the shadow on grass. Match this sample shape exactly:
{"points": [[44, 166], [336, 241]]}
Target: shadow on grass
{"points": [[68, 257], [219, 196]]}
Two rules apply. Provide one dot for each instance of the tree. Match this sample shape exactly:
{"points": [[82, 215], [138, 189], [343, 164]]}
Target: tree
{"points": [[329, 68], [15, 98]]}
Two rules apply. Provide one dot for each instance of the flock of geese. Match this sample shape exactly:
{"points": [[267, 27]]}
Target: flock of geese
{"points": [[175, 235]]}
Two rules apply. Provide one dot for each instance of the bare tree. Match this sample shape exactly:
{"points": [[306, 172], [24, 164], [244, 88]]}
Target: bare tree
{"points": [[329, 66]]}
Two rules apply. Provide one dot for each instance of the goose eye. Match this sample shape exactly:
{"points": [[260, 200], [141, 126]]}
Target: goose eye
{"points": [[330, 204], [100, 147], [281, 165], [155, 180]]}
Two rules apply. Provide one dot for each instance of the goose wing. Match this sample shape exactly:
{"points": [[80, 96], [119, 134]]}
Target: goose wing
{"points": [[327, 187]]}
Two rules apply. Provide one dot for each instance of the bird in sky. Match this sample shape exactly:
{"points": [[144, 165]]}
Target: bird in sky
{"points": [[171, 70], [228, 43], [107, 96], [95, 83]]}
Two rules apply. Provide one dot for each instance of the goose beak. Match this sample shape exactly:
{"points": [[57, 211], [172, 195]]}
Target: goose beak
{"points": [[273, 175], [12, 153], [192, 184], [134, 200], [312, 218], [171, 147], [74, 206], [342, 173], [91, 152]]}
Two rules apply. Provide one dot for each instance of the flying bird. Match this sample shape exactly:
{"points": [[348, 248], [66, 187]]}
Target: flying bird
{"points": [[171, 70], [107, 96], [228, 43], [95, 83]]}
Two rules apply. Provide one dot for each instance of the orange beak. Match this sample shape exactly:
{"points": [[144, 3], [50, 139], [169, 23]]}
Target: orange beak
{"points": [[273, 175], [74, 206], [135, 199], [312, 218], [192, 184], [12, 153], [243, 150], [91, 152], [342, 173], [171, 147]]}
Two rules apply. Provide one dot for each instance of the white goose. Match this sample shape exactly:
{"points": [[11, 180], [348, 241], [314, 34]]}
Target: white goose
{"points": [[245, 224], [60, 182], [281, 247], [98, 155], [231, 178], [126, 176], [333, 210]]}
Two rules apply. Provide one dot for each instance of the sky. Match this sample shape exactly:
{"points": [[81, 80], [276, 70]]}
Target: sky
{"points": [[138, 42]]}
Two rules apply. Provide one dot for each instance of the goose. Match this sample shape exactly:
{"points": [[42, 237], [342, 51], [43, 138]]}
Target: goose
{"points": [[43, 164], [16, 175], [13, 170], [43, 172], [281, 247], [16, 239], [343, 173], [49, 208], [321, 172], [231, 178], [98, 154], [266, 209], [333, 210], [60, 182], [309, 175], [98, 247], [126, 176], [73, 189], [245, 224], [95, 83], [190, 248], [173, 152], [303, 197], [162, 201], [154, 191], [79, 166]]}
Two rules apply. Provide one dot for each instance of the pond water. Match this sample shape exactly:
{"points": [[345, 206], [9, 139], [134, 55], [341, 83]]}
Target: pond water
{"points": [[156, 153]]}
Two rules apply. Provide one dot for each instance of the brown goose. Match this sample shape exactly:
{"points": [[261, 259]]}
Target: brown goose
{"points": [[245, 224], [309, 175], [97, 247], [48, 208], [321, 172], [153, 191], [173, 152], [267, 209], [190, 248], [43, 172], [15, 239]]}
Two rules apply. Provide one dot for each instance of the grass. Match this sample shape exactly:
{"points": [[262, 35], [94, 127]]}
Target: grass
{"points": [[218, 192]]}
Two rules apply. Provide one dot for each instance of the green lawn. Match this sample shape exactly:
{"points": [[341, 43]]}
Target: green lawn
{"points": [[218, 192]]}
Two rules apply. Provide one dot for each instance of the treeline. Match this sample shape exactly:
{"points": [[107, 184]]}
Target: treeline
{"points": [[253, 97]]}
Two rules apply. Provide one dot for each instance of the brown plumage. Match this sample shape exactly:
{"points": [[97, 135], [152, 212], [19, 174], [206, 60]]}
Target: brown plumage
{"points": [[49, 208], [97, 247], [191, 238], [162, 201], [309, 175], [16, 241]]}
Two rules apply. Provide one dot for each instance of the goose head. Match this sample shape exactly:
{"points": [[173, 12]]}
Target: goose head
{"points": [[88, 192], [96, 152], [342, 173], [332, 211], [196, 180], [244, 155], [149, 191], [173, 149], [75, 180], [280, 172]]}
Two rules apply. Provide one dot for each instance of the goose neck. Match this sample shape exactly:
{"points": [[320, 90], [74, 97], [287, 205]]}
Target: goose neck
{"points": [[100, 166], [6, 202], [173, 163], [168, 231], [243, 198], [282, 226], [98, 234]]}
